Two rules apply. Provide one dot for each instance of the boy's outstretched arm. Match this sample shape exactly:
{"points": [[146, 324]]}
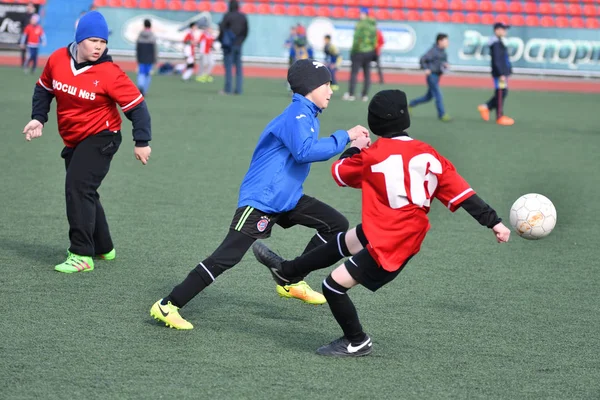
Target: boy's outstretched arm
{"points": [[486, 216], [347, 171]]}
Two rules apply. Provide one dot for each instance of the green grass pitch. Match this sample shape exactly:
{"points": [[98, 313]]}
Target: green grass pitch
{"points": [[467, 319]]}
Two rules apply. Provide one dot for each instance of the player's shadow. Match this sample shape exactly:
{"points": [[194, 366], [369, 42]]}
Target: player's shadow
{"points": [[39, 253]]}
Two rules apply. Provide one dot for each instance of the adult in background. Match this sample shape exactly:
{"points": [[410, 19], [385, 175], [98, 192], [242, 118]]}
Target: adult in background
{"points": [[380, 43], [30, 11], [362, 53], [146, 52], [233, 31]]}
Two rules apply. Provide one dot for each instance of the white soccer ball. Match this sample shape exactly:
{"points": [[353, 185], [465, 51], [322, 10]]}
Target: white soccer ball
{"points": [[533, 216]]}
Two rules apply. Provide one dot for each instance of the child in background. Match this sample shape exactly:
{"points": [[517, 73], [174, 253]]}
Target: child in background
{"points": [[207, 61], [190, 41], [146, 52], [333, 60], [33, 37]]}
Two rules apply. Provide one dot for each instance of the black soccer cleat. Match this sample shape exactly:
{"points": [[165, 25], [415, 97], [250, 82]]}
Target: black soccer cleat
{"points": [[272, 261], [343, 348]]}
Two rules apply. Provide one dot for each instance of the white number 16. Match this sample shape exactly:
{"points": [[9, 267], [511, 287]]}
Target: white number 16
{"points": [[419, 175]]}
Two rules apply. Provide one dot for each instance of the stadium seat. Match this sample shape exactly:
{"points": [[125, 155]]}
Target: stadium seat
{"points": [[532, 20], [515, 7], [398, 15], [293, 10], [203, 6], [456, 5], [574, 10], [505, 19], [352, 3], [517, 20], [218, 7], [547, 21], [559, 9], [382, 14], [485, 6], [424, 4], [441, 5], [248, 8], [530, 8], [412, 4], [545, 8], [115, 3], [338, 12], [472, 18], [145, 4], [100, 3], [278, 9], [500, 7], [427, 16], [264, 9], [442, 16], [159, 4], [189, 5], [324, 12], [396, 3], [381, 4], [413, 15], [470, 6], [592, 23], [175, 5], [562, 22], [353, 13], [577, 22], [457, 18], [487, 19], [309, 11], [366, 3], [589, 10], [289, 2], [130, 3]]}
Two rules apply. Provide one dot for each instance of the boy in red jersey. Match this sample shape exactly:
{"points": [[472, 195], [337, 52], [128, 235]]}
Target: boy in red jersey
{"points": [[88, 87], [33, 37], [190, 41], [207, 61], [399, 176]]}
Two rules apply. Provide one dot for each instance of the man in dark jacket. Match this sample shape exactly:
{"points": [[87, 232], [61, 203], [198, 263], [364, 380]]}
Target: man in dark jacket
{"points": [[146, 52], [501, 70], [233, 30], [434, 62]]}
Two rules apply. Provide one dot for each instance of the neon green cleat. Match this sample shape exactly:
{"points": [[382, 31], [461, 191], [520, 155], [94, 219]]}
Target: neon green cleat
{"points": [[109, 256], [301, 291], [169, 314], [445, 118], [201, 78], [75, 263]]}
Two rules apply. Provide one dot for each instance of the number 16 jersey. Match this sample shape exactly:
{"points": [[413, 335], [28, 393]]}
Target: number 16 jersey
{"points": [[399, 177]]}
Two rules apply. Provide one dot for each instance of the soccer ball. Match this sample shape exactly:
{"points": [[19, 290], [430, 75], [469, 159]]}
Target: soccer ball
{"points": [[533, 216]]}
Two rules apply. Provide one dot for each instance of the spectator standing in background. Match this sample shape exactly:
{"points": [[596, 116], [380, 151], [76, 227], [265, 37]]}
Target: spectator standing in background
{"points": [[380, 43], [146, 52], [362, 53], [33, 37], [233, 31], [30, 12]]}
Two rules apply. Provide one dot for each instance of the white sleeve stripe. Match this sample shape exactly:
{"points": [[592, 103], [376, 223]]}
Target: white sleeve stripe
{"points": [[337, 172], [332, 289], [458, 197], [44, 86], [132, 103], [206, 269]]}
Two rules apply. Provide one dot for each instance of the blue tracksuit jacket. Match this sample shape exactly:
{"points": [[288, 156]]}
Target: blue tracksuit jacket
{"points": [[282, 158]]}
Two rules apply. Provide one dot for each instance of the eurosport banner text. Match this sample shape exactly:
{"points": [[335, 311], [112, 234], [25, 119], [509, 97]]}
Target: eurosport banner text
{"points": [[532, 50]]}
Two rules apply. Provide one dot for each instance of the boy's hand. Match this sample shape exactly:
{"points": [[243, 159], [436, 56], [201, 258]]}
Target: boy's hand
{"points": [[502, 232], [33, 130], [357, 132], [361, 142], [502, 78], [142, 154], [427, 72]]}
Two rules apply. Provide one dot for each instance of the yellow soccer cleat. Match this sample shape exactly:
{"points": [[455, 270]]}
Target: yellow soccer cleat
{"points": [[301, 291], [169, 314]]}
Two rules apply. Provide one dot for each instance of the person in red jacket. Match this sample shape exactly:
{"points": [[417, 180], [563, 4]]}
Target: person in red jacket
{"points": [[88, 87], [33, 37], [378, 47]]}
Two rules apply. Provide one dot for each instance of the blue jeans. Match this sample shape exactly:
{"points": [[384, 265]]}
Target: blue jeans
{"points": [[144, 77], [231, 57], [32, 58], [433, 90]]}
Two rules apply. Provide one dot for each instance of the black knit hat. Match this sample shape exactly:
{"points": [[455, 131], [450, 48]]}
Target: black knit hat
{"points": [[306, 75], [388, 113]]}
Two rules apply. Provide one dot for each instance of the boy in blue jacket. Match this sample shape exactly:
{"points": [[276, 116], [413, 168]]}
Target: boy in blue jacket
{"points": [[501, 70], [271, 192]]}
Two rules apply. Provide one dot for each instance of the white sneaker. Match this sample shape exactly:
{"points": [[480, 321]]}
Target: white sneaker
{"points": [[347, 97], [365, 98]]}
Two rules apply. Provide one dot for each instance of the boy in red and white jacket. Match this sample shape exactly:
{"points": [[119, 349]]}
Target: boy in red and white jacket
{"points": [[190, 41], [207, 61]]}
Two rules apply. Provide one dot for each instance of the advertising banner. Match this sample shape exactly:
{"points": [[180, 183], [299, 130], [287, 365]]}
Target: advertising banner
{"points": [[13, 19], [532, 50]]}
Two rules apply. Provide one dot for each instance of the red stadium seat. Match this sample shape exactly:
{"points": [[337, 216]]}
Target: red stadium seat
{"points": [[457, 18], [145, 4], [338, 3], [353, 13], [485, 6], [160, 4], [366, 3], [487, 19], [352, 3], [562, 22], [293, 10], [425, 4], [515, 7], [547, 21], [577, 22], [517, 20], [175, 5], [278, 9], [442, 16], [338, 12], [396, 3], [545, 8], [189, 5], [441, 5], [398, 15], [309, 11], [456, 5], [381, 3], [559, 9], [248, 8], [413, 15], [292, 2], [427, 16], [472, 18], [382, 14], [219, 7], [324, 12], [589, 10], [264, 9], [412, 4], [500, 7], [130, 4], [115, 3], [532, 20], [203, 6], [470, 6], [100, 3], [502, 18], [592, 23], [574, 10], [530, 8]]}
